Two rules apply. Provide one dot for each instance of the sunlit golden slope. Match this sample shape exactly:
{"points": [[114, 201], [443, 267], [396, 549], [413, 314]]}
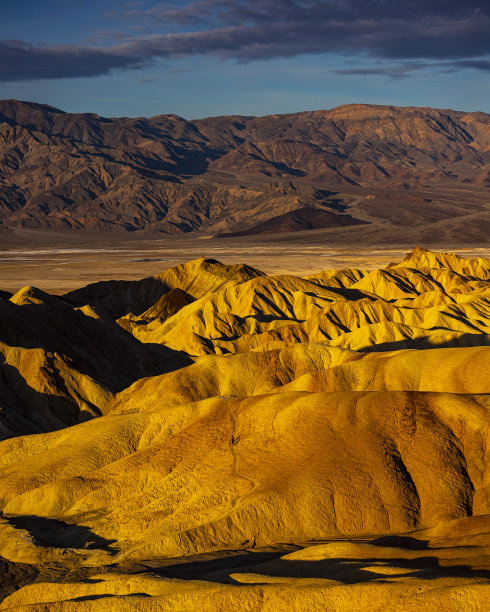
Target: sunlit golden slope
{"points": [[315, 368], [227, 473], [444, 301], [290, 416]]}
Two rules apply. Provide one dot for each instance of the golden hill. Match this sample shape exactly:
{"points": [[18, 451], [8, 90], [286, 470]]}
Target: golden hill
{"points": [[431, 300], [196, 278], [302, 442]]}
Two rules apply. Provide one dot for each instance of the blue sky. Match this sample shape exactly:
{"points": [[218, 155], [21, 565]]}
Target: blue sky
{"points": [[254, 57]]}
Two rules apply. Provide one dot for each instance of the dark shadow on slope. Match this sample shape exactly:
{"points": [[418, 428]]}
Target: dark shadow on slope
{"points": [[14, 575], [119, 297], [329, 201], [200, 567], [168, 359], [351, 295], [27, 411], [106, 595], [463, 341], [345, 570], [300, 219], [396, 541], [52, 533], [355, 571], [96, 347]]}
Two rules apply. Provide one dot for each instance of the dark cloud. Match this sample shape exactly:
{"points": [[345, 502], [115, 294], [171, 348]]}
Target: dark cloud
{"points": [[399, 71], [246, 30], [21, 61], [482, 64], [253, 12]]}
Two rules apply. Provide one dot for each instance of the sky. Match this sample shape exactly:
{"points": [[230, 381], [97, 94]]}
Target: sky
{"points": [[248, 57]]}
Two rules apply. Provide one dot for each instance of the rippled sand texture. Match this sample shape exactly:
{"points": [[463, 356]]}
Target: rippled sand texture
{"points": [[215, 438]]}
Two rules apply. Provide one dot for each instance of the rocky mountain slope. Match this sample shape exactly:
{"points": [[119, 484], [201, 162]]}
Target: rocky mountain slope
{"points": [[385, 166], [316, 440]]}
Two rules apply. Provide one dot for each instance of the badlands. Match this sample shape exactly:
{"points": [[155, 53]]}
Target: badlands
{"points": [[217, 438]]}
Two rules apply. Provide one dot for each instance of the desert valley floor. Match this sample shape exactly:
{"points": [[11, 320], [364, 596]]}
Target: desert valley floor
{"points": [[288, 427]]}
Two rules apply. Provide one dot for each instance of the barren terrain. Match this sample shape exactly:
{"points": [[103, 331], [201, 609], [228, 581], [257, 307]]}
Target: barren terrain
{"points": [[367, 175], [228, 380], [62, 261], [222, 436]]}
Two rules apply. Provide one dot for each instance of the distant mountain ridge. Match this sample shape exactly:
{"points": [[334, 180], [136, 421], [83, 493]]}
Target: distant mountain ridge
{"points": [[379, 164]]}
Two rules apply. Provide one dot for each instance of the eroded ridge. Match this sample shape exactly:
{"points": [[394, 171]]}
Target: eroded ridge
{"points": [[319, 440]]}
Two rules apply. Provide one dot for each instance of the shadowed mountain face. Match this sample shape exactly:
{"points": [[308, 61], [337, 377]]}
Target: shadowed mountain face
{"points": [[320, 440], [297, 220], [386, 166]]}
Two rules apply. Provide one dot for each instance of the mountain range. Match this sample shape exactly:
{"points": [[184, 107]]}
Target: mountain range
{"points": [[357, 169]]}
